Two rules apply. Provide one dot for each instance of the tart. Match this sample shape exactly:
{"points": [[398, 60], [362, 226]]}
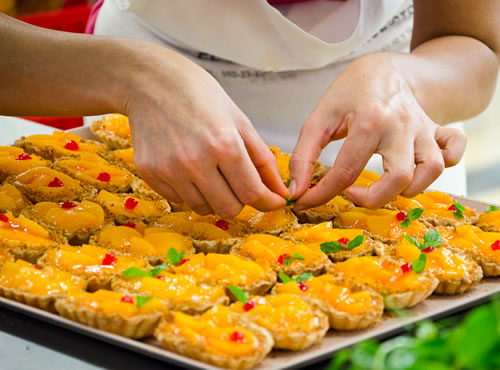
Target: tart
{"points": [[294, 324], [75, 221], [45, 184], [385, 225], [14, 161], [114, 130], [12, 200], [93, 170], [24, 238], [123, 158], [324, 212], [225, 270], [5, 256], [59, 144], [153, 246], [178, 292], [273, 222], [209, 233], [36, 286], [482, 246], [282, 255], [132, 317], [398, 283], [129, 208], [335, 242], [283, 161], [488, 220], [217, 337], [95, 264], [346, 308], [143, 190]]}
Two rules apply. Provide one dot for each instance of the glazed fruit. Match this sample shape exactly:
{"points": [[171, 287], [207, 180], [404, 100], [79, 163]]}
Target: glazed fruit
{"points": [[283, 161], [325, 212], [272, 222], [490, 219], [114, 130], [14, 161], [123, 158], [12, 200]]}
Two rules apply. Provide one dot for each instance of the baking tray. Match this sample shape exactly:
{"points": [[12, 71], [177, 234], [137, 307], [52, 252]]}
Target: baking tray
{"points": [[433, 307]]}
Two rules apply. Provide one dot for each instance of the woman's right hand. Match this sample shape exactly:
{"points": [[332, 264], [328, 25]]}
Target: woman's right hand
{"points": [[192, 144]]}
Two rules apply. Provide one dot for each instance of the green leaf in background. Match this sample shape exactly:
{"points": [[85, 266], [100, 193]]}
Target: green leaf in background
{"points": [[303, 277], [356, 242], [174, 256], [459, 213], [419, 264], [288, 260], [141, 300], [285, 278], [432, 239], [330, 247], [412, 240], [492, 208], [240, 294], [288, 183], [155, 271], [135, 272], [412, 215], [290, 202]]}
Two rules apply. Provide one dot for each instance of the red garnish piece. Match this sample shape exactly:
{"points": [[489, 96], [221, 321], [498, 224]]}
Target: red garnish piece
{"points": [[311, 186], [281, 259], [130, 203], [104, 177], [3, 218], [452, 208], [406, 267], [68, 205], [127, 299], [71, 145], [272, 151], [302, 286], [129, 224], [182, 261], [222, 224], [23, 157], [496, 245], [56, 183], [343, 241], [400, 216], [237, 336], [109, 259], [428, 249], [249, 305], [37, 267], [160, 277]]}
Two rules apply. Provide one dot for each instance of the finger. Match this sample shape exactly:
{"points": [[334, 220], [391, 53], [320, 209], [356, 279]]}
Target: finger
{"points": [[192, 196], [429, 165], [352, 158], [263, 160], [158, 185], [399, 165], [452, 142]]}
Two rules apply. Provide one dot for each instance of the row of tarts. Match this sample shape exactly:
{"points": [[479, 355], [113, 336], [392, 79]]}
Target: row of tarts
{"points": [[83, 236]]}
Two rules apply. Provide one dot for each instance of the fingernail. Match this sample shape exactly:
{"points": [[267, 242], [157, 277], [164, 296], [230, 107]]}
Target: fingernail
{"points": [[291, 189]]}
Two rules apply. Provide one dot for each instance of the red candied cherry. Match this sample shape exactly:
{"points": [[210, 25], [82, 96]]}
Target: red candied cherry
{"points": [[311, 186], [130, 203], [72, 145], [496, 245], [343, 241], [104, 177], [56, 183], [182, 261], [4, 218], [452, 208], [406, 267], [68, 205], [129, 224], [222, 224], [23, 157], [249, 305], [127, 299], [428, 249], [37, 267], [281, 259], [160, 277], [302, 286], [237, 336], [109, 259], [400, 216]]}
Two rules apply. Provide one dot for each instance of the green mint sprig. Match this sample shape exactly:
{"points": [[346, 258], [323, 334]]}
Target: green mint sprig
{"points": [[419, 264], [239, 293], [492, 208], [137, 272], [412, 215], [334, 246], [302, 277], [459, 211], [141, 300], [174, 256], [289, 259], [431, 239]]}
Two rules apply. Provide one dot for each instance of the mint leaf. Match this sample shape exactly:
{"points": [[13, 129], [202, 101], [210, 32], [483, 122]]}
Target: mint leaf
{"points": [[412, 240], [330, 247], [405, 223], [288, 260], [414, 214], [155, 271], [303, 277], [135, 272], [290, 202], [141, 300], [459, 213], [174, 256], [492, 208], [285, 278], [432, 239], [287, 182], [356, 242], [419, 264], [240, 294]]}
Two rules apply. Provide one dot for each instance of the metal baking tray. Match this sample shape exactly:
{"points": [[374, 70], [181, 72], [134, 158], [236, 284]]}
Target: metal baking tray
{"points": [[433, 307]]}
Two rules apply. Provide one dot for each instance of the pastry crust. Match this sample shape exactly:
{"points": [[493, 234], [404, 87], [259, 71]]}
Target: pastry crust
{"points": [[44, 302], [143, 190], [116, 157], [12, 200], [109, 136]]}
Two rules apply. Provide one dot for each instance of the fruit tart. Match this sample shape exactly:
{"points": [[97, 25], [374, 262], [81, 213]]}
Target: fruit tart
{"points": [[339, 244], [123, 158], [294, 324], [5, 256], [385, 225], [347, 308], [143, 190], [46, 184], [76, 221], [177, 292], [14, 160], [24, 238], [282, 255], [457, 273], [129, 208], [93, 170], [224, 270], [489, 220], [401, 284], [209, 233], [324, 212], [12, 200], [482, 246], [59, 144], [130, 316], [272, 222], [114, 130], [95, 264], [153, 245], [283, 161], [36, 286], [217, 337]]}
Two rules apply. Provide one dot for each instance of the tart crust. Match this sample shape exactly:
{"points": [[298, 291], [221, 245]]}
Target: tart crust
{"points": [[109, 138], [44, 302]]}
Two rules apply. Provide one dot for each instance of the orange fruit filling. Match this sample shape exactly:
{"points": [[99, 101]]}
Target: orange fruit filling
{"points": [[23, 230], [366, 179], [11, 198], [324, 232], [64, 143], [282, 159], [14, 160], [123, 206], [50, 182], [117, 125], [491, 218], [472, 239], [70, 215], [259, 221], [123, 155]]}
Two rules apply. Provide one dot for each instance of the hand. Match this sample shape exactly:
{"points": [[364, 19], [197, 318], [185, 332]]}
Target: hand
{"points": [[193, 145], [372, 106]]}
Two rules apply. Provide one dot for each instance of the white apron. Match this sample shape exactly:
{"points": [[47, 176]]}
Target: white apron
{"points": [[274, 62]]}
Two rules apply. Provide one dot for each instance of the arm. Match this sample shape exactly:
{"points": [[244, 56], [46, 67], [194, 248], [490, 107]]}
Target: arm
{"points": [[390, 104], [188, 134]]}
